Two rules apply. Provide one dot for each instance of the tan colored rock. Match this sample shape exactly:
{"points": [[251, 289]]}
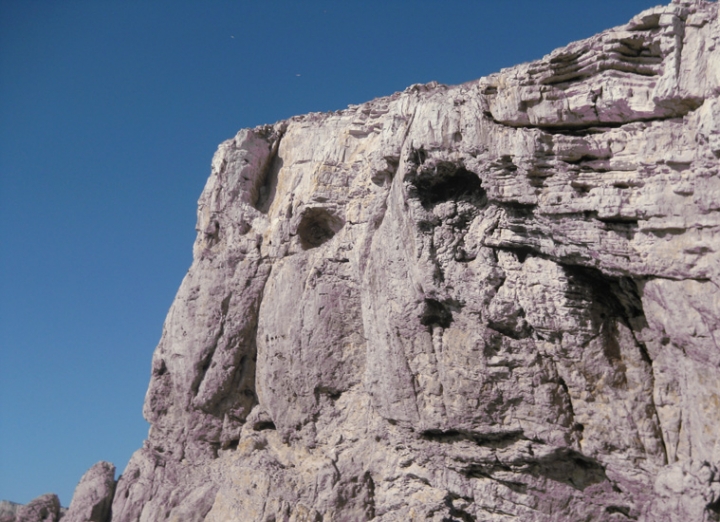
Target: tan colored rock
{"points": [[492, 301]]}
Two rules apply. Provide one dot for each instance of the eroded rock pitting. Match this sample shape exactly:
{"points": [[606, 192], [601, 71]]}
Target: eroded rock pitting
{"points": [[492, 301]]}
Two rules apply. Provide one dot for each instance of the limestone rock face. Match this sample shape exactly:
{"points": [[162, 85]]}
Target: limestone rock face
{"points": [[492, 301], [45, 508], [93, 496]]}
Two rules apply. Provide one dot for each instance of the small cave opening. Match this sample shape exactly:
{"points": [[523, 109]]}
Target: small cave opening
{"points": [[264, 425], [317, 226], [434, 313], [447, 182], [231, 444], [613, 296]]}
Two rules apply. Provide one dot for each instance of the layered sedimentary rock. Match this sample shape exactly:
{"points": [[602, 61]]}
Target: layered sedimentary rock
{"points": [[492, 301]]}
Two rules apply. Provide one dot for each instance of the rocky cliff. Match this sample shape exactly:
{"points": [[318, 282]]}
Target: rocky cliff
{"points": [[494, 301]]}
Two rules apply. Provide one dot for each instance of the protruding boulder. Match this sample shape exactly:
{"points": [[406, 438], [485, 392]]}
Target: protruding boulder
{"points": [[93, 495], [45, 508]]}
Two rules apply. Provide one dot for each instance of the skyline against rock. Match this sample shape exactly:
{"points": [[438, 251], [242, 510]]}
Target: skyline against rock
{"points": [[493, 300]]}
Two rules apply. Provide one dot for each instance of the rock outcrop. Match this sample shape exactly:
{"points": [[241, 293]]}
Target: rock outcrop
{"points": [[45, 508], [93, 496], [8, 510], [492, 301]]}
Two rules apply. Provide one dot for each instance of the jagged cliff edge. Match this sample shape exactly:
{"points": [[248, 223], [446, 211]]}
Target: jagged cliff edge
{"points": [[492, 301]]}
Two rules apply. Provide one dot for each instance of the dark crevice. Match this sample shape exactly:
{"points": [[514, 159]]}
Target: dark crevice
{"points": [[331, 393], [618, 295], [494, 440], [579, 132], [267, 181], [618, 220], [562, 394], [443, 435], [435, 313], [159, 369], [461, 255], [622, 510], [569, 467], [522, 252], [517, 210], [212, 233], [582, 159], [455, 512], [627, 229], [317, 226], [510, 328], [714, 506], [225, 306], [504, 164], [664, 232], [598, 127], [643, 352], [563, 385], [446, 182], [480, 471], [369, 484], [417, 156]]}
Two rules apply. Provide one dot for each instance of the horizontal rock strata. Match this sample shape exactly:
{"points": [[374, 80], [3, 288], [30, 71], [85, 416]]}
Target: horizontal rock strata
{"points": [[494, 301]]}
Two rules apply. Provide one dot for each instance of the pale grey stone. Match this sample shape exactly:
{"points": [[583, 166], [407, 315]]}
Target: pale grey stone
{"points": [[8, 510], [93, 496], [492, 301], [45, 508]]}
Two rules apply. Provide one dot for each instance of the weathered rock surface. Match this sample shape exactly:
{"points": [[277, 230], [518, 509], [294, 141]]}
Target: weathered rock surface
{"points": [[492, 301], [45, 508], [8, 510], [93, 496]]}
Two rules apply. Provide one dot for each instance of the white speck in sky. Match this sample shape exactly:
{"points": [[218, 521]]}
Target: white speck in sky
{"points": [[297, 75]]}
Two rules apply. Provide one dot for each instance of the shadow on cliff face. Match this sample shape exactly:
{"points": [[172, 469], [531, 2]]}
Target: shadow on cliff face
{"points": [[434, 182], [569, 467], [506, 332], [446, 182], [612, 297], [317, 226], [562, 465], [268, 178]]}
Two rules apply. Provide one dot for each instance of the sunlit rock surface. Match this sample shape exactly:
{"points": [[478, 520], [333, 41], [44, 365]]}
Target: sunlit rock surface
{"points": [[45, 508], [494, 301], [93, 496]]}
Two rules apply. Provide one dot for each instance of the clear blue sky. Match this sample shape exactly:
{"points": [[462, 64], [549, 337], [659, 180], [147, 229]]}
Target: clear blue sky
{"points": [[110, 112]]}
